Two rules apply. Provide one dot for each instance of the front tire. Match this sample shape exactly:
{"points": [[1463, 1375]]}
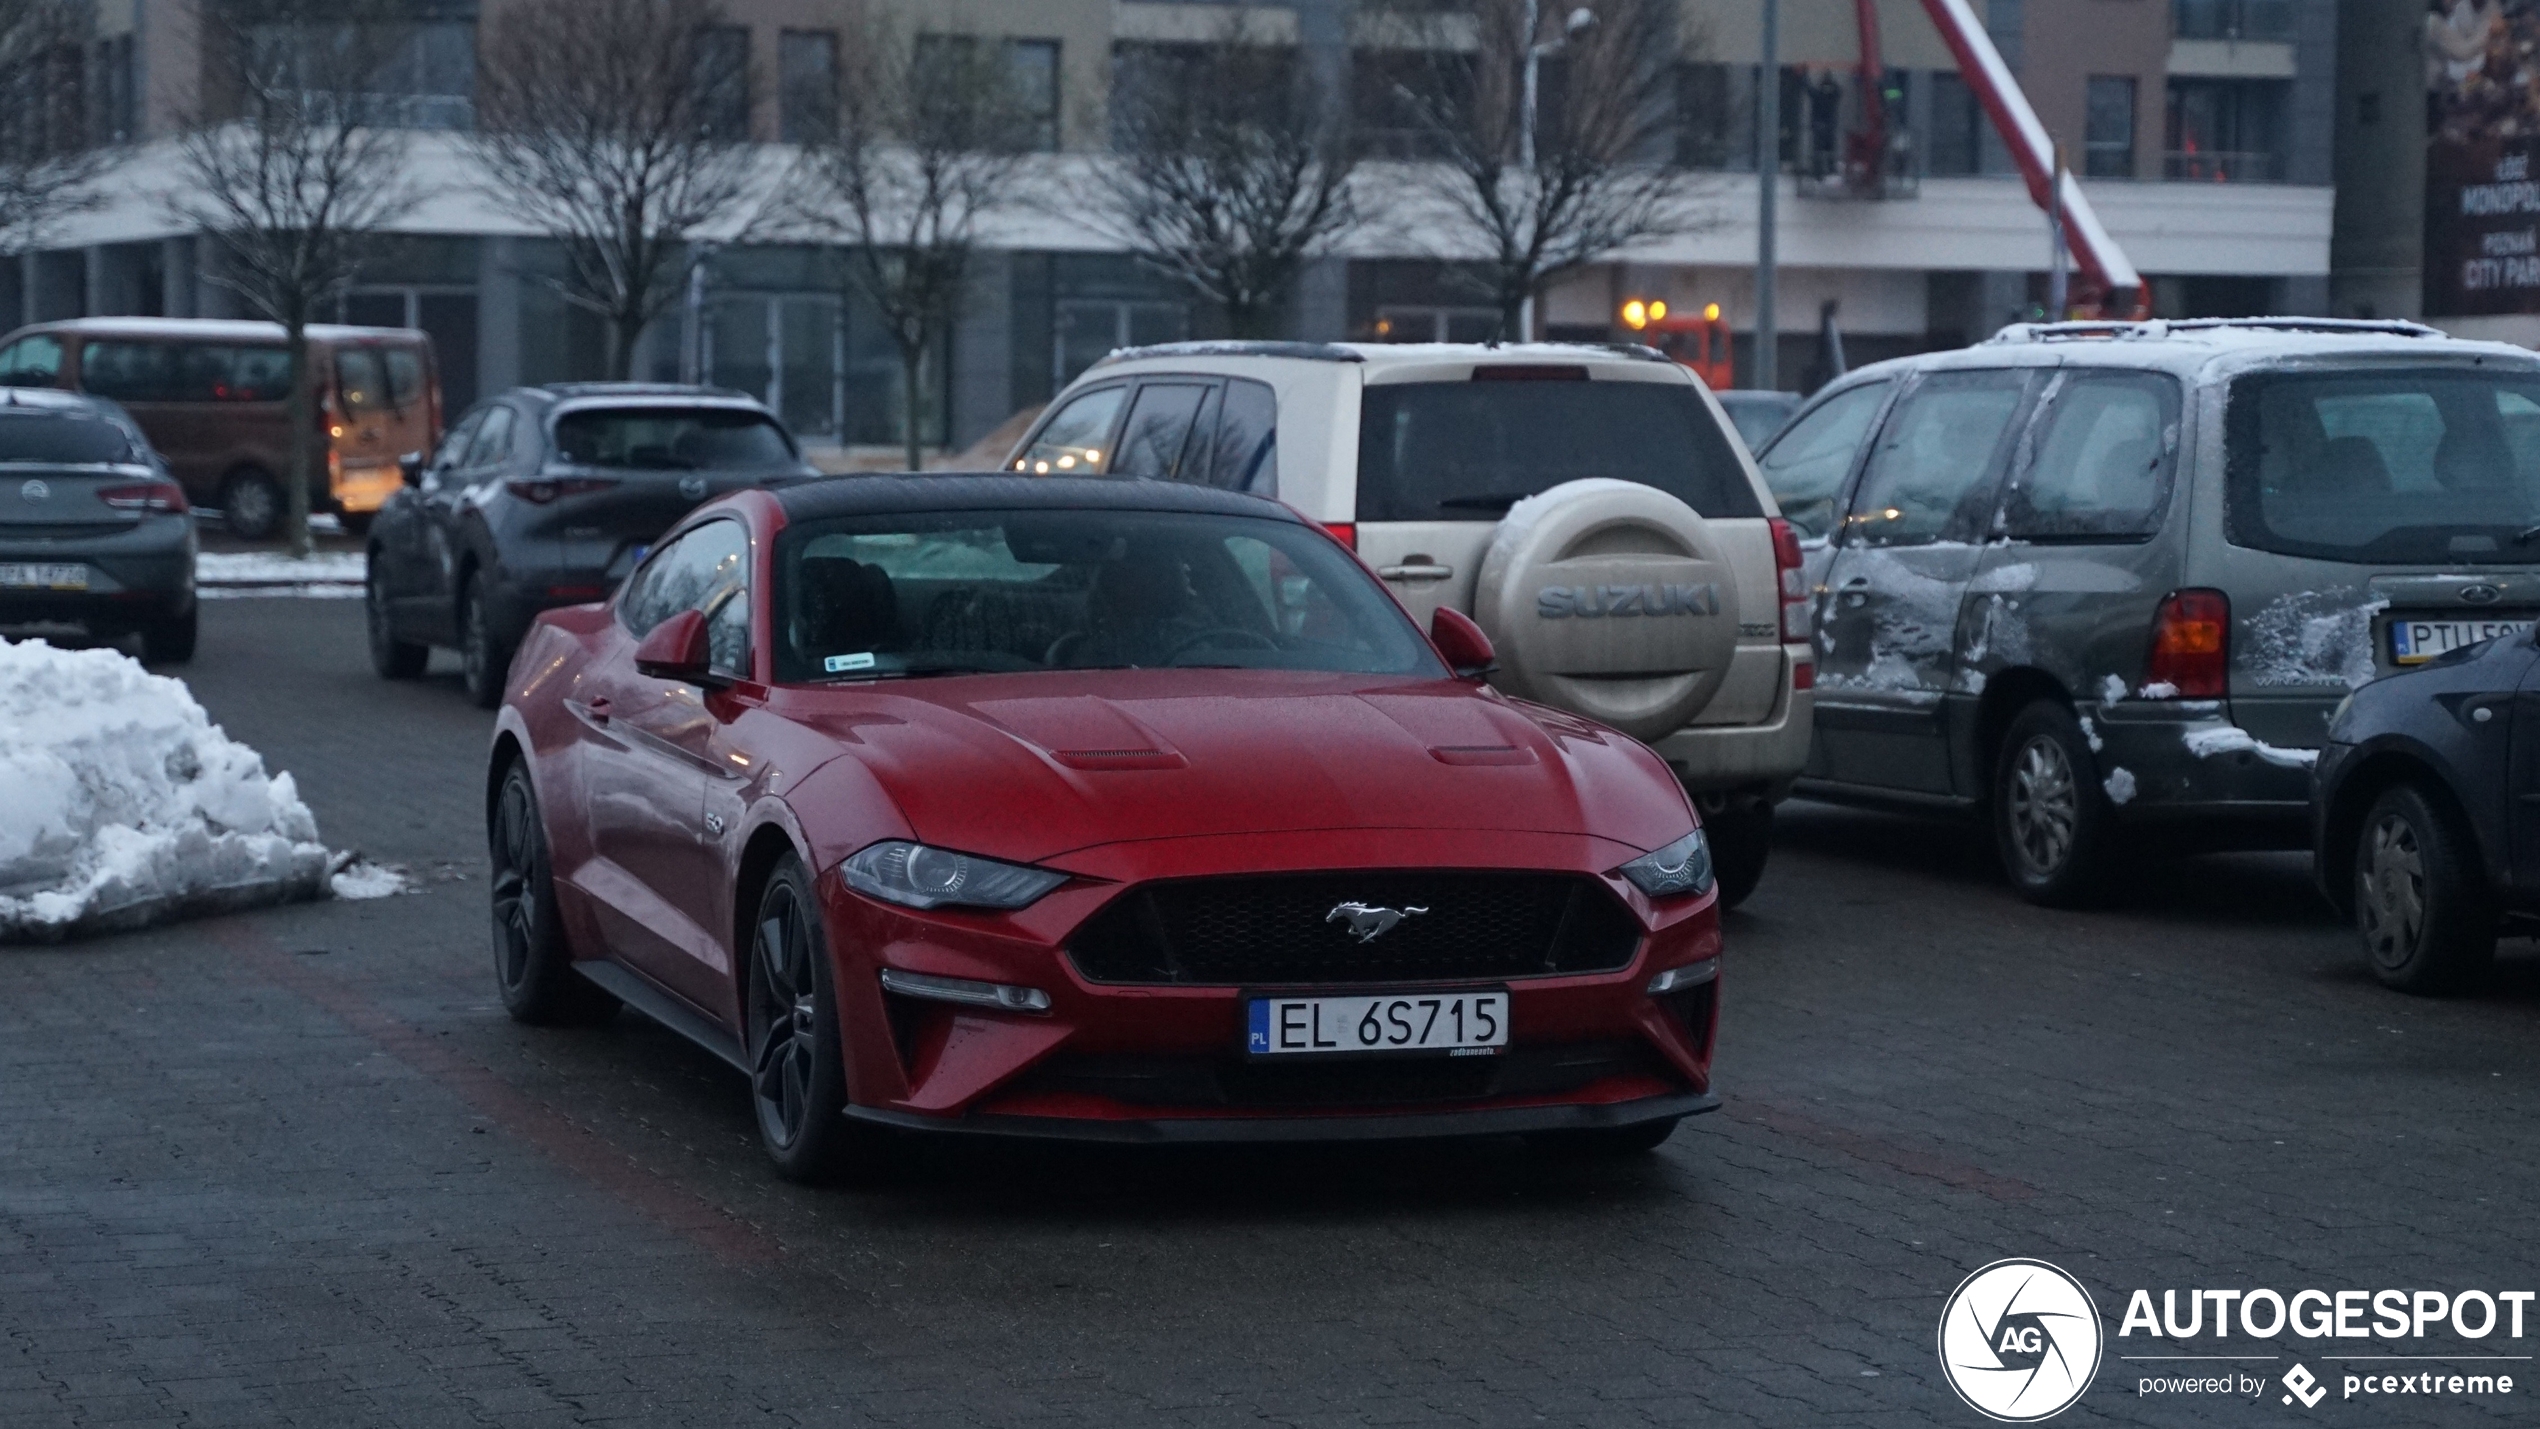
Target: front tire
{"points": [[2052, 822], [2420, 905], [170, 639], [393, 658], [484, 661], [533, 963], [1741, 838], [798, 1065]]}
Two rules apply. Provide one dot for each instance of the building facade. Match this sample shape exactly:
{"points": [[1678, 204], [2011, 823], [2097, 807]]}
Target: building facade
{"points": [[2202, 127]]}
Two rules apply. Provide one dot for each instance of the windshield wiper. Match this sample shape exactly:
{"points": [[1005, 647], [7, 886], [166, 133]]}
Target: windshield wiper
{"points": [[2527, 535], [1488, 501]]}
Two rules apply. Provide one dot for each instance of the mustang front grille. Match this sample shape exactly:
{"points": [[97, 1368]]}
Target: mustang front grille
{"points": [[1342, 928]]}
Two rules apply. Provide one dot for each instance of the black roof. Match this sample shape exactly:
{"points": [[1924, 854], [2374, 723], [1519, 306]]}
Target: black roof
{"points": [[1000, 491]]}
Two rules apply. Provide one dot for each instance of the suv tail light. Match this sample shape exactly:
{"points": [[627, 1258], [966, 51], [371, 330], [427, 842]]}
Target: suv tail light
{"points": [[145, 496], [1794, 585], [2191, 647], [541, 490]]}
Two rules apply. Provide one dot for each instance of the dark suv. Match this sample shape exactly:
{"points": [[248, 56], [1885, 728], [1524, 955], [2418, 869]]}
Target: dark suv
{"points": [[544, 497]]}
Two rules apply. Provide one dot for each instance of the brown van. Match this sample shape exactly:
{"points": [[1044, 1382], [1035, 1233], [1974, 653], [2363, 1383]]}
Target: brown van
{"points": [[214, 398]]}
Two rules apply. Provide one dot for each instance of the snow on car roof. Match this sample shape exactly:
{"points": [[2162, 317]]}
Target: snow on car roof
{"points": [[2199, 343], [990, 491], [1391, 353], [213, 329]]}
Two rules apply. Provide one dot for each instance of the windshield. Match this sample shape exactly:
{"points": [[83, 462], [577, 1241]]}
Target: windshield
{"points": [[673, 439], [1757, 418], [62, 441], [1467, 451], [897, 594], [2405, 465]]}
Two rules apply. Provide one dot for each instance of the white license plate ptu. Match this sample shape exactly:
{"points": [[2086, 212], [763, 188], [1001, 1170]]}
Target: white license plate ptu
{"points": [[2413, 642], [1470, 1024]]}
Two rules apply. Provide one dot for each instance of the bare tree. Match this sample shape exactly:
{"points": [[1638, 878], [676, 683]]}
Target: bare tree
{"points": [[291, 178], [1599, 173], [621, 127], [1231, 167], [927, 142], [52, 142]]}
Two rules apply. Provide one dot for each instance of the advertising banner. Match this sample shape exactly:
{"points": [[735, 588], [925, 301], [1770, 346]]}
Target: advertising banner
{"points": [[2482, 184]]}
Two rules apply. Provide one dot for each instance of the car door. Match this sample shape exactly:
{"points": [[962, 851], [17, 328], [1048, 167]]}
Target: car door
{"points": [[447, 500], [411, 567], [1887, 623], [1155, 442], [1810, 463], [647, 760]]}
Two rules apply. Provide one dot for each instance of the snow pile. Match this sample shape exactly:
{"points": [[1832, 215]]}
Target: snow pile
{"points": [[127, 805], [356, 877], [2216, 739], [219, 574]]}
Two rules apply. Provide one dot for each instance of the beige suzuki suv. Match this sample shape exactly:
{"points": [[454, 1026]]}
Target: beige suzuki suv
{"points": [[1591, 507]]}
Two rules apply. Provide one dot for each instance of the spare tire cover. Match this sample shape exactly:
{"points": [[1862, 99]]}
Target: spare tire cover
{"points": [[1612, 600]]}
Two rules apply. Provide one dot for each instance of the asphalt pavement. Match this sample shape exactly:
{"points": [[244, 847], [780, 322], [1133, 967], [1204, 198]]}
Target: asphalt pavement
{"points": [[295, 1167]]}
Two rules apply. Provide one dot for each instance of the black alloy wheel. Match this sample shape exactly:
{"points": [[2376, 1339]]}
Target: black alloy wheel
{"points": [[798, 1076], [533, 963], [484, 662], [2420, 905], [393, 658], [2052, 822]]}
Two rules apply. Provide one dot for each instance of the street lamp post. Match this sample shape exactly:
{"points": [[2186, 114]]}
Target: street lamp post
{"points": [[1578, 22], [1768, 163]]}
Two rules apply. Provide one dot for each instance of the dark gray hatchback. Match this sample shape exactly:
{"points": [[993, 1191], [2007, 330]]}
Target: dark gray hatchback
{"points": [[545, 497], [2105, 583], [94, 532]]}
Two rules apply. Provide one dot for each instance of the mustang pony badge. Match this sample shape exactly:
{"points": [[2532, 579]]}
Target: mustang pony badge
{"points": [[1367, 921]]}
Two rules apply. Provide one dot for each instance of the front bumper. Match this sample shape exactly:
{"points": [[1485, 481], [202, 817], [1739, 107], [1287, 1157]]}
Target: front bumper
{"points": [[1164, 1062]]}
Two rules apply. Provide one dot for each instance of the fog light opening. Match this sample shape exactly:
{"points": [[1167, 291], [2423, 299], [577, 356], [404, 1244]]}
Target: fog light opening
{"points": [[1691, 975], [1004, 997]]}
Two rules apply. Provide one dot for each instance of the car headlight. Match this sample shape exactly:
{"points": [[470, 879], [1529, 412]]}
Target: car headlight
{"points": [[923, 877], [1679, 869]]}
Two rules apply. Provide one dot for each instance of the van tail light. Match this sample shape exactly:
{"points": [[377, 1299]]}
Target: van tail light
{"points": [[2191, 647], [1345, 532], [540, 491], [145, 496], [1794, 585]]}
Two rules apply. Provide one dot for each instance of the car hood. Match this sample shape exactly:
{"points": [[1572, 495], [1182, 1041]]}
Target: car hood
{"points": [[1033, 766]]}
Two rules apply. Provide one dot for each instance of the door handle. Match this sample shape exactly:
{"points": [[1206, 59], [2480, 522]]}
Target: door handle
{"points": [[599, 709], [1429, 571], [1856, 583]]}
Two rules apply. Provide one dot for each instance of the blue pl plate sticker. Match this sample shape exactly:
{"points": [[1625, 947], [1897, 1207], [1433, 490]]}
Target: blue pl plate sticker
{"points": [[835, 663], [1259, 1040]]}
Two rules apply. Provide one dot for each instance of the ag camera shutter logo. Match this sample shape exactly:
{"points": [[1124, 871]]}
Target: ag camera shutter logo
{"points": [[2020, 1341]]}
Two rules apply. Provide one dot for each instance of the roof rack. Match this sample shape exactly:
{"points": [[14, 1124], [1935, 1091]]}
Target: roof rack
{"points": [[2158, 328], [1307, 351]]}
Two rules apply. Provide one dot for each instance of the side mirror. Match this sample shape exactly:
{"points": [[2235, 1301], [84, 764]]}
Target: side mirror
{"points": [[1466, 649], [410, 466], [677, 649]]}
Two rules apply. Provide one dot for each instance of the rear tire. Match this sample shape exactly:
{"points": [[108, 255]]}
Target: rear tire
{"points": [[2420, 905], [533, 962], [355, 523], [798, 1064], [2052, 822], [1741, 838], [393, 658], [251, 504], [484, 661], [1609, 1142], [170, 640]]}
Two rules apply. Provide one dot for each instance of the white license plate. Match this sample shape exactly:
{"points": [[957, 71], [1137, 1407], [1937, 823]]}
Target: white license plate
{"points": [[2413, 642], [1469, 1023], [21, 576]]}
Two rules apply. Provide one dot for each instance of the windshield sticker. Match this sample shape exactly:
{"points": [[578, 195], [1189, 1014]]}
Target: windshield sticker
{"points": [[862, 660]]}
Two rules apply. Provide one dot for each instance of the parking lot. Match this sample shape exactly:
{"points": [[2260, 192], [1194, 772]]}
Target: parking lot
{"points": [[297, 1167]]}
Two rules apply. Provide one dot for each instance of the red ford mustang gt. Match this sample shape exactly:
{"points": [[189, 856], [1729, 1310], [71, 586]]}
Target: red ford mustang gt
{"points": [[1095, 809]]}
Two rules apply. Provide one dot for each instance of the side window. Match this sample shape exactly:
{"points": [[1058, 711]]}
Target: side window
{"points": [[233, 374], [1075, 441], [129, 371], [1159, 430], [405, 376], [1244, 448], [493, 440], [34, 361], [1806, 467], [1931, 473], [705, 570], [455, 442], [2103, 465]]}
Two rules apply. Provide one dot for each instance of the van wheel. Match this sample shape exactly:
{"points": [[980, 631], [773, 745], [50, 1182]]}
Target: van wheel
{"points": [[484, 661], [1741, 837], [251, 504], [2051, 821], [2419, 904]]}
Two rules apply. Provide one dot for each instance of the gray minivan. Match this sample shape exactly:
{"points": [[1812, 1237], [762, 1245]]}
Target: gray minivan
{"points": [[2107, 582]]}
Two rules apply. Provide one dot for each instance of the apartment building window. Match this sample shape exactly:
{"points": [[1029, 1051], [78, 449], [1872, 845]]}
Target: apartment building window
{"points": [[1715, 116], [2225, 130], [2232, 19], [113, 115], [2108, 127], [1034, 65], [807, 85], [422, 76], [723, 81], [1385, 123]]}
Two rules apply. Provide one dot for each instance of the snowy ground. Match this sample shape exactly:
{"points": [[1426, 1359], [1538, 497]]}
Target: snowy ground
{"points": [[127, 805], [323, 574]]}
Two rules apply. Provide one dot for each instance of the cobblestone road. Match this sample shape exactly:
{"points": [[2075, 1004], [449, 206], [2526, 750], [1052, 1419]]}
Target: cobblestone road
{"points": [[295, 1167]]}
